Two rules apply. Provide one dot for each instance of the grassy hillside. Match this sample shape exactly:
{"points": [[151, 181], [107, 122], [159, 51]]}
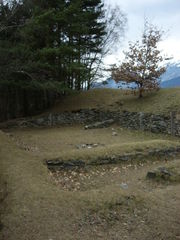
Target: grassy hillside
{"points": [[162, 101]]}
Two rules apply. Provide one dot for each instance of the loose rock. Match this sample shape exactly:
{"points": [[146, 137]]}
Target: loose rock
{"points": [[160, 173], [103, 124], [124, 186]]}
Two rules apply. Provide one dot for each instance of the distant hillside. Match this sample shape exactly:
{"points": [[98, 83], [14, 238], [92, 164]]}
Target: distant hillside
{"points": [[175, 82], [173, 71], [170, 79], [110, 83]]}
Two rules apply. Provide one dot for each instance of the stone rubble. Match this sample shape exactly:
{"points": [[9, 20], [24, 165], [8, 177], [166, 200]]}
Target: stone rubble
{"points": [[88, 145], [94, 118]]}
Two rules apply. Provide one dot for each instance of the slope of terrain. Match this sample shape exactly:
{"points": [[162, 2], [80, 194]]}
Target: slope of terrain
{"points": [[174, 82], [163, 101], [172, 71]]}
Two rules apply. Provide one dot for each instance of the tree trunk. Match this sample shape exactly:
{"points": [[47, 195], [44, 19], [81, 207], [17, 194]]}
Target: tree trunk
{"points": [[141, 92]]}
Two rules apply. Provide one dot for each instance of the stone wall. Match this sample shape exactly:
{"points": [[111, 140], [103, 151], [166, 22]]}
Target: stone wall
{"points": [[168, 124]]}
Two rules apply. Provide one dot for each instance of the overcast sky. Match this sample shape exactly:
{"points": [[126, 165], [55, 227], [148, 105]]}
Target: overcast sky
{"points": [[163, 13]]}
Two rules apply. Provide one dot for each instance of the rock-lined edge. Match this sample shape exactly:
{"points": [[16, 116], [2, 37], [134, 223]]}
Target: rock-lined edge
{"points": [[60, 164]]}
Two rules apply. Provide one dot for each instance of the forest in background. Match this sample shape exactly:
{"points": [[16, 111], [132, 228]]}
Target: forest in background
{"points": [[58, 44]]}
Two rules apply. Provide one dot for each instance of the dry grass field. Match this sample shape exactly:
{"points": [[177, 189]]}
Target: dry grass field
{"points": [[68, 141]]}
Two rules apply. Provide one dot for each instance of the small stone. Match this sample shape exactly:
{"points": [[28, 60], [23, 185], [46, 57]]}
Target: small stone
{"points": [[89, 147], [151, 175], [102, 124], [95, 145], [114, 134], [124, 185], [164, 171]]}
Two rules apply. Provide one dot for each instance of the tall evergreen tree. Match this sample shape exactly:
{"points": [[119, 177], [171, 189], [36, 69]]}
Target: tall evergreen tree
{"points": [[13, 53], [52, 41], [86, 31]]}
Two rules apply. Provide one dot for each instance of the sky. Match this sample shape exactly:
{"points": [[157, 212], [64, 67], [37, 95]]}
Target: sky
{"points": [[163, 13]]}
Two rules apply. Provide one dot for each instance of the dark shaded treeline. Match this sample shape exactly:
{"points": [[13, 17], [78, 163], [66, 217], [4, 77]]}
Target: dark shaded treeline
{"points": [[50, 47], [17, 102]]}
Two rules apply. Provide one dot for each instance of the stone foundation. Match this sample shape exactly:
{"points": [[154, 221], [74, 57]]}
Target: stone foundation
{"points": [[155, 123]]}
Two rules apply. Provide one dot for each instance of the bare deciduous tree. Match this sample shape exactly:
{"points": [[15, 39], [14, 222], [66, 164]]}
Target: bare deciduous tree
{"points": [[142, 62]]}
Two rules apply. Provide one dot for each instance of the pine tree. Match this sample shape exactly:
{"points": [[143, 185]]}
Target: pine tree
{"points": [[86, 30], [13, 17], [52, 42], [64, 37]]}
